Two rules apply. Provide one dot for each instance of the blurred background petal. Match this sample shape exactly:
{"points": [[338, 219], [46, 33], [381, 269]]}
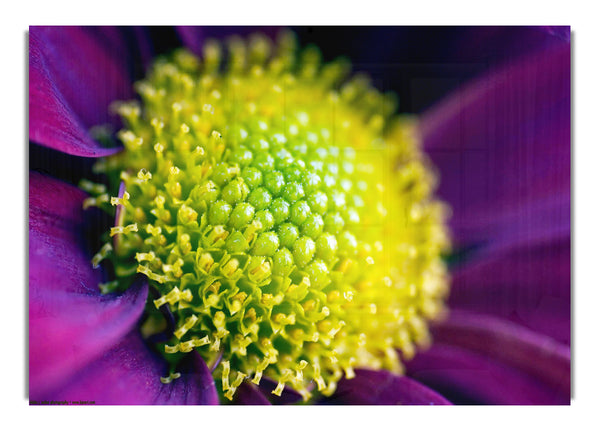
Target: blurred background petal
{"points": [[502, 146]]}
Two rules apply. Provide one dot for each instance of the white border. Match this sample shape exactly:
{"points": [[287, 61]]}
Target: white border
{"points": [[586, 196]]}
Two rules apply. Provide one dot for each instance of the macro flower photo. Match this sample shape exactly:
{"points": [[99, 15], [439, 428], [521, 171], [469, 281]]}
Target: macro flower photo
{"points": [[299, 215]]}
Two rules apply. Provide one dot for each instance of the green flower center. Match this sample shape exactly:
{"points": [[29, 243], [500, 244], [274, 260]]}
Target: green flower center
{"points": [[281, 212]]}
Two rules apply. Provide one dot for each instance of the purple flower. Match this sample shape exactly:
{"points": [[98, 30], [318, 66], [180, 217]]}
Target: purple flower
{"points": [[500, 143]]}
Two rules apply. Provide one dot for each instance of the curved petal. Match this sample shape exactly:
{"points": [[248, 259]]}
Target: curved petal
{"points": [[192, 37], [128, 373], [74, 74], [466, 377], [530, 286], [249, 394], [502, 145], [383, 388], [520, 224], [537, 355], [70, 322], [494, 361], [288, 396], [57, 253]]}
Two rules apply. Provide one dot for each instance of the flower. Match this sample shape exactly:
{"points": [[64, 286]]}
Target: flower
{"points": [[78, 335]]}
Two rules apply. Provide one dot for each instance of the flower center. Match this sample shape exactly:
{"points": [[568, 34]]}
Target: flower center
{"points": [[280, 212]]}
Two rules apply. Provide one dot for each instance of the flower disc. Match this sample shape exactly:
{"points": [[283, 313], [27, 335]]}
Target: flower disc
{"points": [[281, 212]]}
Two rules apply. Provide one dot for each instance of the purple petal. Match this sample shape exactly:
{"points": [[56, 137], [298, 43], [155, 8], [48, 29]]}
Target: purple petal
{"points": [[128, 373], [499, 44], [288, 396], [530, 286], [495, 361], [466, 377], [56, 225], [74, 74], [518, 347], [562, 32], [193, 37], [502, 145], [383, 388], [527, 224], [250, 394], [70, 322]]}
